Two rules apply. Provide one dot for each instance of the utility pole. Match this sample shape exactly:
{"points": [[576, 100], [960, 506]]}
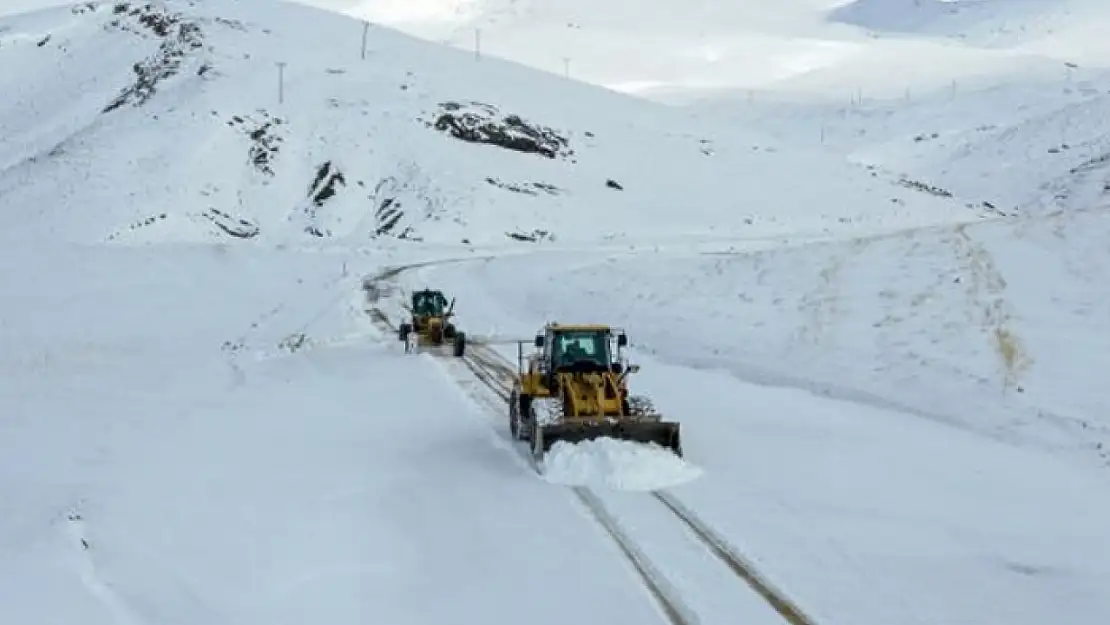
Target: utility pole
{"points": [[365, 30], [281, 81]]}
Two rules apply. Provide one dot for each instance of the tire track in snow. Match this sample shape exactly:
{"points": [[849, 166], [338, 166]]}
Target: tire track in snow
{"points": [[665, 597], [495, 375], [498, 375], [738, 564]]}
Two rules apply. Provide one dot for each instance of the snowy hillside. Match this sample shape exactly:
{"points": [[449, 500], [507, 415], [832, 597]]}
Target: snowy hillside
{"points": [[1026, 147], [415, 143], [880, 325]]}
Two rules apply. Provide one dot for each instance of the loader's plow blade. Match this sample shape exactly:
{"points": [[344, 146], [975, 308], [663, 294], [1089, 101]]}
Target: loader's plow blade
{"points": [[663, 433]]}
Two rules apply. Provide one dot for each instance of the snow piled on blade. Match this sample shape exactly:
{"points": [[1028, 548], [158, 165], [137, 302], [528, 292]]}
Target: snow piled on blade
{"points": [[616, 464]]}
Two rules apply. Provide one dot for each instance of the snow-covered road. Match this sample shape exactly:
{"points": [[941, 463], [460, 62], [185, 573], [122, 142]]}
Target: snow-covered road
{"points": [[851, 509], [693, 573]]}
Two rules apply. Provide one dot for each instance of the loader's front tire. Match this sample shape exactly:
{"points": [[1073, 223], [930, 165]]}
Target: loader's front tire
{"points": [[520, 415], [460, 344], [537, 445], [514, 415], [403, 332]]}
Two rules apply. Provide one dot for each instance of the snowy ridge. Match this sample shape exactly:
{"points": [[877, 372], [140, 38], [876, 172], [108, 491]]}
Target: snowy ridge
{"points": [[433, 157]]}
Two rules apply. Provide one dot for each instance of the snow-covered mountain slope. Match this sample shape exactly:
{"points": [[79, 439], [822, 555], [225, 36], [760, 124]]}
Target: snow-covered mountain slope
{"points": [[1066, 25], [398, 145], [202, 419], [1030, 147], [710, 48]]}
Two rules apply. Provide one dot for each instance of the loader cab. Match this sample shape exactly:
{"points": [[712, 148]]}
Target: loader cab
{"points": [[577, 348]]}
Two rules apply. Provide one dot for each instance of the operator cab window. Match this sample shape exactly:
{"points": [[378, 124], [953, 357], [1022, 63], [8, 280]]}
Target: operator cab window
{"points": [[576, 346], [429, 303]]}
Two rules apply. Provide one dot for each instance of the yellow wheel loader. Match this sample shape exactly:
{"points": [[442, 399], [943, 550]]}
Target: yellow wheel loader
{"points": [[573, 387], [430, 324]]}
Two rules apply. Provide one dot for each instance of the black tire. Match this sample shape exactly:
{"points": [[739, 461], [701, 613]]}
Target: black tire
{"points": [[403, 332], [537, 446], [460, 344], [514, 415], [527, 418]]}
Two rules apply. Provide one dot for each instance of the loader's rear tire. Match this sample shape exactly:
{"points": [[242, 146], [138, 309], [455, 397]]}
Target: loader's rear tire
{"points": [[460, 344]]}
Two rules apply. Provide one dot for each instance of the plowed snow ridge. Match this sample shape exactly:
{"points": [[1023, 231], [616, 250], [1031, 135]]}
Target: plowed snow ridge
{"points": [[616, 464]]}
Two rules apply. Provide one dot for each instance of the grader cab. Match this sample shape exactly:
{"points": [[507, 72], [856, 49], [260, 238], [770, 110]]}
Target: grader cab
{"points": [[574, 387]]}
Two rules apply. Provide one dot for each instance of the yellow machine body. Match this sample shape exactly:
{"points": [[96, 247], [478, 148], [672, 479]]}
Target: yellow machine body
{"points": [[431, 323], [574, 387]]}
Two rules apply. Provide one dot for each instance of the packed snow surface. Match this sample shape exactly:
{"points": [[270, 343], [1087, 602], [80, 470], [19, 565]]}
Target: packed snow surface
{"points": [[881, 324], [616, 464]]}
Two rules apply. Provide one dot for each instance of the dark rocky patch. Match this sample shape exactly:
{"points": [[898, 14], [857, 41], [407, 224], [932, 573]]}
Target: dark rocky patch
{"points": [[476, 122], [229, 346], [232, 24], [613, 184], [527, 188], [294, 342], [180, 37], [263, 136], [232, 226], [321, 190], [924, 188], [1091, 164], [323, 186], [391, 211], [531, 237], [137, 225], [388, 214]]}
